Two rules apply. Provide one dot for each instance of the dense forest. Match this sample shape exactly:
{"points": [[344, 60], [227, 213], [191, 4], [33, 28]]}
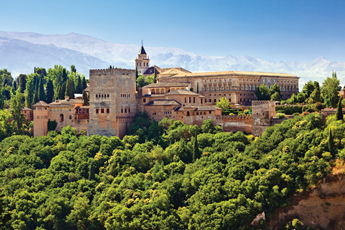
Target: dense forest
{"points": [[164, 175], [42, 85]]}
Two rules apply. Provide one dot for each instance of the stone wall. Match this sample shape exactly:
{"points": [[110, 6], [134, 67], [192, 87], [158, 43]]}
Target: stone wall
{"points": [[113, 102], [235, 123], [262, 114]]}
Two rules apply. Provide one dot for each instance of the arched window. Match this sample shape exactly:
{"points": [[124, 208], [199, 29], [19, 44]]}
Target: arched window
{"points": [[188, 114], [250, 87], [96, 96], [61, 117], [246, 87], [121, 110], [125, 110], [107, 95], [129, 110]]}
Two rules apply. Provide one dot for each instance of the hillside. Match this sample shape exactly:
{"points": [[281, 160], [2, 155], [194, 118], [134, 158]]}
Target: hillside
{"points": [[164, 175], [123, 55]]}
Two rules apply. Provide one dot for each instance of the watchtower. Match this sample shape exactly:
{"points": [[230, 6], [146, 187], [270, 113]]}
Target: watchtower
{"points": [[142, 62], [41, 110], [262, 114], [112, 101]]}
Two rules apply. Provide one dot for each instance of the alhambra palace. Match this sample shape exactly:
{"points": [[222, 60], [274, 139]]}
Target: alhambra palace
{"points": [[177, 94]]}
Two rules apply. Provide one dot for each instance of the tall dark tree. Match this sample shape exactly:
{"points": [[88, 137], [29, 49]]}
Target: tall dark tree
{"points": [[73, 69], [50, 91], [85, 98], [339, 113], [79, 85], [331, 142], [84, 83], [29, 93], [16, 107], [15, 87], [69, 89], [6, 77], [41, 93], [35, 98], [136, 73], [22, 80]]}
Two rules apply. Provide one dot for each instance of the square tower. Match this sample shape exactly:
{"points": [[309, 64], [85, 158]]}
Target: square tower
{"points": [[112, 101], [262, 114]]}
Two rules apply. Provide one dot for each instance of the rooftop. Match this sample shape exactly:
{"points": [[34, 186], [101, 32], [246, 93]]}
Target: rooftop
{"points": [[40, 103], [180, 74], [163, 102], [183, 92], [142, 50], [167, 84]]}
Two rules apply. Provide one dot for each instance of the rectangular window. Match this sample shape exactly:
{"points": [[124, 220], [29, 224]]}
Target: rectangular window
{"points": [[193, 99], [102, 110], [215, 100], [201, 101], [96, 110], [107, 110], [190, 100], [144, 100]]}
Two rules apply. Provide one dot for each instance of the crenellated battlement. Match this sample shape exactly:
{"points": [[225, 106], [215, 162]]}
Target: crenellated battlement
{"points": [[108, 71], [260, 102], [234, 117]]}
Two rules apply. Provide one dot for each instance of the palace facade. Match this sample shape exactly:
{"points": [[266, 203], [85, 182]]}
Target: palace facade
{"points": [[177, 94]]}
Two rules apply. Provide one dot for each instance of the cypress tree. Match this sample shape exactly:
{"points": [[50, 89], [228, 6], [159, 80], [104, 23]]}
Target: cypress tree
{"points": [[136, 73], [15, 85], [79, 86], [85, 98], [155, 81], [197, 87], [29, 93], [69, 89], [62, 90], [84, 83], [50, 91], [41, 93], [35, 98], [339, 114], [331, 142]]}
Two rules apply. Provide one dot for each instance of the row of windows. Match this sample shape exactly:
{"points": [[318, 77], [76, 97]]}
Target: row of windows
{"points": [[190, 100], [167, 112], [102, 110], [144, 64], [125, 95], [125, 110], [102, 95]]}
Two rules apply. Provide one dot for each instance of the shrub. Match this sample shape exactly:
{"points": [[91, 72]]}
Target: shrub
{"points": [[280, 115]]}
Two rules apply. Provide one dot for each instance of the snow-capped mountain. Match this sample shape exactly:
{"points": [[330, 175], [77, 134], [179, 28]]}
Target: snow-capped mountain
{"points": [[20, 52]]}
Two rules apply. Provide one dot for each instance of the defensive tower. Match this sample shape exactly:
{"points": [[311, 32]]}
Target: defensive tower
{"points": [[112, 101], [262, 114]]}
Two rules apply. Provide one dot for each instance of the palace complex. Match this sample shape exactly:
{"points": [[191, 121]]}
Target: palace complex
{"points": [[177, 94]]}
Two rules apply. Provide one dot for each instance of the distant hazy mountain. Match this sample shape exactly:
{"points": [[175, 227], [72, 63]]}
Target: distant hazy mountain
{"points": [[20, 52]]}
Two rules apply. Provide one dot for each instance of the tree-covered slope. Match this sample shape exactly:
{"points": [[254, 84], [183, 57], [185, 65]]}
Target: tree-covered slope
{"points": [[164, 179]]}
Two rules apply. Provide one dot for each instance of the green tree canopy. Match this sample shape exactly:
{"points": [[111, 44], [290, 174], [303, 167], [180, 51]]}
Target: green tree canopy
{"points": [[329, 91]]}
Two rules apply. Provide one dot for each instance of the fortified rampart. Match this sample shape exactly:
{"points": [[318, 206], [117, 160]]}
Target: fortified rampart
{"points": [[235, 123]]}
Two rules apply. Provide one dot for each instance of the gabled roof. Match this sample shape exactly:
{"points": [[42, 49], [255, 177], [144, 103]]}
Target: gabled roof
{"points": [[174, 71], [183, 92], [163, 102], [151, 70], [197, 108], [142, 50], [25, 108], [40, 104], [69, 102]]}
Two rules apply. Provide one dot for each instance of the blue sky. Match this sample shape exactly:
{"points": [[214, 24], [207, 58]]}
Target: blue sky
{"points": [[276, 30]]}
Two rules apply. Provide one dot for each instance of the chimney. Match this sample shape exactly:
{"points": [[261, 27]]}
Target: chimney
{"points": [[67, 98]]}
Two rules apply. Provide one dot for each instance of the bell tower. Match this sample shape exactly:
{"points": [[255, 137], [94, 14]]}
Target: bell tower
{"points": [[142, 62]]}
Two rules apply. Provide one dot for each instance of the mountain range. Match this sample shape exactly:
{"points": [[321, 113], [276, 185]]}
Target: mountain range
{"points": [[20, 52]]}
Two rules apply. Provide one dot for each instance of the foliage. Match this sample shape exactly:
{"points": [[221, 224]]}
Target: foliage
{"points": [[261, 92], [223, 104], [329, 91], [163, 175], [276, 97], [339, 113], [280, 115]]}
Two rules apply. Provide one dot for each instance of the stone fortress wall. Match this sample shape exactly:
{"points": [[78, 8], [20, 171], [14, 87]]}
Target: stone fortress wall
{"points": [[113, 102]]}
